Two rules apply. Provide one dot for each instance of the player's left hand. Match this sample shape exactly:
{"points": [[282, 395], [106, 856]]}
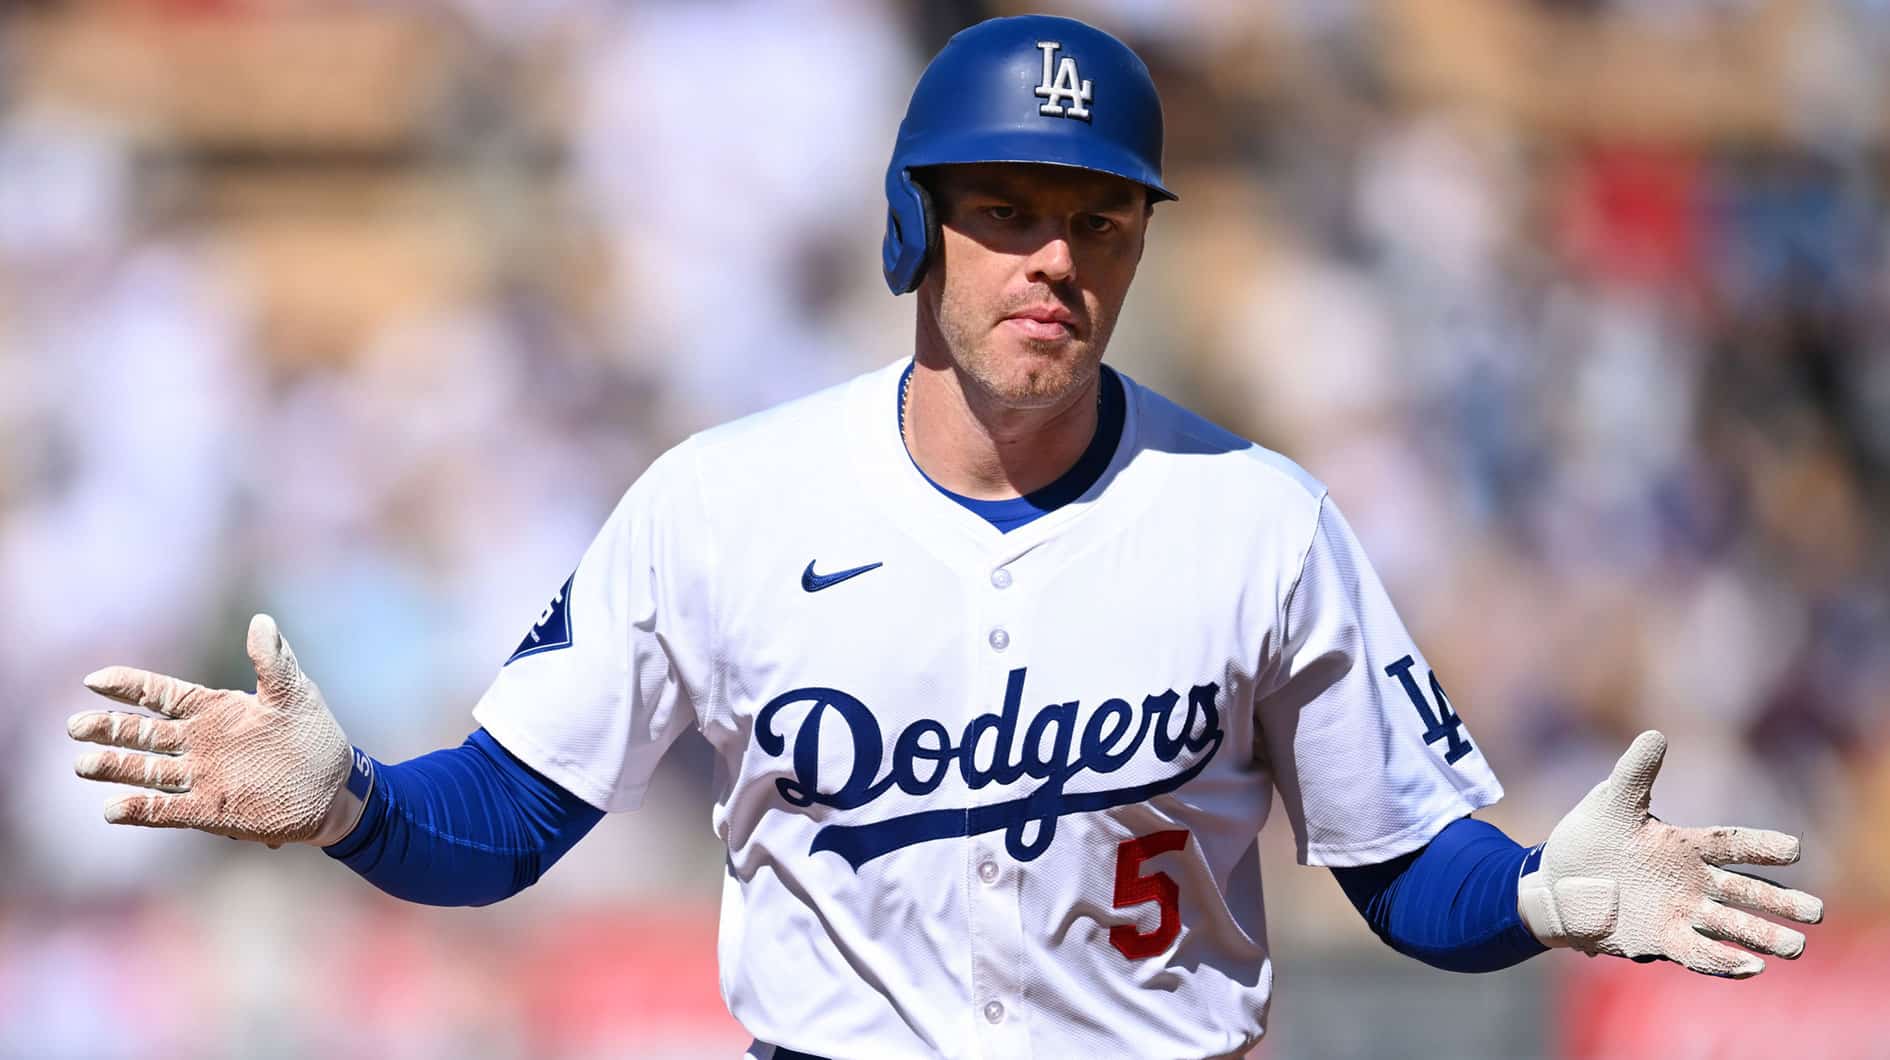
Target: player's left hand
{"points": [[1615, 879]]}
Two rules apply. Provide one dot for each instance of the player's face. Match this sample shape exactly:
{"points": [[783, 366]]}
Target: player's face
{"points": [[1033, 264]]}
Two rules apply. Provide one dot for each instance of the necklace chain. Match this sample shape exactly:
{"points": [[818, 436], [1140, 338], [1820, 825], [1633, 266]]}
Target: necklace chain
{"points": [[905, 394]]}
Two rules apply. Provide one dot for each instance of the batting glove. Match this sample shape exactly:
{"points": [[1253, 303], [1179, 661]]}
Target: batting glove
{"points": [[1614, 879], [268, 766]]}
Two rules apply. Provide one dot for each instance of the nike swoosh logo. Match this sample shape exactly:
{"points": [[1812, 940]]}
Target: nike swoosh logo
{"points": [[814, 583]]}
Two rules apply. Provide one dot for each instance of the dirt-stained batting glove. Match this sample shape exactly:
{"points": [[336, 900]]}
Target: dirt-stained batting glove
{"points": [[269, 766], [1614, 879]]}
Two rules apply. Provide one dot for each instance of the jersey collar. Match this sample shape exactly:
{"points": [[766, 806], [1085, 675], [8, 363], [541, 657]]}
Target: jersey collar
{"points": [[905, 495]]}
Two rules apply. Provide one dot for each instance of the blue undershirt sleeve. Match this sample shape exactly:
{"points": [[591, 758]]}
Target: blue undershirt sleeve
{"points": [[465, 826], [1450, 903]]}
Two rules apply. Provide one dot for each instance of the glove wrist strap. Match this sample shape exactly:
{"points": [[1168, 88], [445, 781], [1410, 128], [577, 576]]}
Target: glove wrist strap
{"points": [[1535, 903], [350, 800]]}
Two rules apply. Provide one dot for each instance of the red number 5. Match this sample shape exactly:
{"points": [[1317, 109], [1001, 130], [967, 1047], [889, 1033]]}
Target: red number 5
{"points": [[1133, 888]]}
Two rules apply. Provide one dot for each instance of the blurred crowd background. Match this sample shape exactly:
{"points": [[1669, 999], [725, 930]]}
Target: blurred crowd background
{"points": [[366, 313]]}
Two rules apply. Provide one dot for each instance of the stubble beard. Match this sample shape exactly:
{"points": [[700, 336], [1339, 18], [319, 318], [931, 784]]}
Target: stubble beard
{"points": [[1030, 375]]}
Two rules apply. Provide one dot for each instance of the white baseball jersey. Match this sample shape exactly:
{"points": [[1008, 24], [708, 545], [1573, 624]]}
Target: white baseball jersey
{"points": [[992, 794]]}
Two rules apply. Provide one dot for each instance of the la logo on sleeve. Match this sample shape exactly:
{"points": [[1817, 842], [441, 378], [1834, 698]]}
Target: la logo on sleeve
{"points": [[553, 628]]}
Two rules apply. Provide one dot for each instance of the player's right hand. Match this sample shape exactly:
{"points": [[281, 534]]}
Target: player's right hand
{"points": [[267, 766]]}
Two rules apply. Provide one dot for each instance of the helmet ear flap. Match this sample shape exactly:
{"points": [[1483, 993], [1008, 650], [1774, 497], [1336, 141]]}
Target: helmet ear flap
{"points": [[911, 231]]}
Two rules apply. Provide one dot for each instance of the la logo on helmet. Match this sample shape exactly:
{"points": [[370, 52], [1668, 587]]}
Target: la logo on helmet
{"points": [[1064, 87]]}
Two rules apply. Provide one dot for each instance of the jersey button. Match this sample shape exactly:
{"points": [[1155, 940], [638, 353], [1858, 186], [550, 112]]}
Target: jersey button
{"points": [[999, 639], [994, 1011], [988, 872], [1001, 578]]}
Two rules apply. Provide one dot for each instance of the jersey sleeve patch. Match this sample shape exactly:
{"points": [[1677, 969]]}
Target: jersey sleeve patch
{"points": [[553, 628]]}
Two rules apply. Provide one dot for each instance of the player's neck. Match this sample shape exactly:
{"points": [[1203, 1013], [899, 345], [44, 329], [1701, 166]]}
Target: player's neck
{"points": [[978, 449]]}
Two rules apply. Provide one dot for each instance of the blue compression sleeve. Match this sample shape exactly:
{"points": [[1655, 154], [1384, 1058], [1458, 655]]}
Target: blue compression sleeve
{"points": [[465, 826], [1451, 903]]}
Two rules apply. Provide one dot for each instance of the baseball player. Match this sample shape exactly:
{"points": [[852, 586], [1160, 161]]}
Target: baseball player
{"points": [[1003, 658]]}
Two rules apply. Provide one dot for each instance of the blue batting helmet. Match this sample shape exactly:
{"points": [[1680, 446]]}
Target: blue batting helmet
{"points": [[1033, 88]]}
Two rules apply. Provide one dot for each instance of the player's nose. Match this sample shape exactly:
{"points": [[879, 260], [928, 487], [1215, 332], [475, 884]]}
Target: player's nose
{"points": [[1052, 262]]}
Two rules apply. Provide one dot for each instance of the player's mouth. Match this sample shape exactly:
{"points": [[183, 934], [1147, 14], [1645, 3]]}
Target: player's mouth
{"points": [[1042, 323]]}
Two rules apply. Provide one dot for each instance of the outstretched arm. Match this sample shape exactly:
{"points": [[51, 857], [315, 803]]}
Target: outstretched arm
{"points": [[1612, 879], [465, 826]]}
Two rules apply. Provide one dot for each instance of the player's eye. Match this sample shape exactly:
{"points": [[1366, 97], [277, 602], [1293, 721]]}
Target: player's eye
{"points": [[1098, 224], [1001, 212]]}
